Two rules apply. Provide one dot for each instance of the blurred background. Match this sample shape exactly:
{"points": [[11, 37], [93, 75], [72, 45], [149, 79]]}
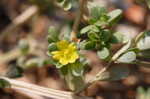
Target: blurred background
{"points": [[25, 23]]}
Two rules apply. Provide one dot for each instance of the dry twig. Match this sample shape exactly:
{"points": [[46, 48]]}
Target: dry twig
{"points": [[21, 19], [47, 92], [77, 20]]}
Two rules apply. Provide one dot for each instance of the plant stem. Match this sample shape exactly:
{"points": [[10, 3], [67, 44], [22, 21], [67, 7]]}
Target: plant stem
{"points": [[144, 63], [95, 78], [77, 20]]}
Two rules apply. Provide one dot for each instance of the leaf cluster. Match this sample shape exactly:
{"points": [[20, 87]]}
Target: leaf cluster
{"points": [[99, 35], [66, 4], [140, 47]]}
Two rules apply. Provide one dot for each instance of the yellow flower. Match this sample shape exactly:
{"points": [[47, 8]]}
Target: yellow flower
{"points": [[67, 52]]}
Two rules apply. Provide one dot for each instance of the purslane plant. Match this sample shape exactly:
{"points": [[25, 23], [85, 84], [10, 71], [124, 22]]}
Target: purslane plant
{"points": [[98, 35]]}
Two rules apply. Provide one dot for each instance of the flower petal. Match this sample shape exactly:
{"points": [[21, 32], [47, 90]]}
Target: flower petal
{"points": [[67, 53], [63, 61], [74, 57]]}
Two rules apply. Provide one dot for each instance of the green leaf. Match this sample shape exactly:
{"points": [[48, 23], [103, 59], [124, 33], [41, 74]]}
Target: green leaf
{"points": [[94, 29], [83, 60], [66, 33], [93, 21], [57, 64], [52, 35], [52, 47], [105, 35], [34, 62], [141, 90], [148, 93], [89, 45], [67, 5], [117, 38], [78, 83], [90, 28], [148, 3], [98, 16], [144, 42], [101, 23], [24, 46], [14, 72], [104, 53], [77, 69], [104, 18], [93, 36], [4, 84], [114, 73], [86, 29], [128, 57], [141, 93], [75, 83], [44, 62], [64, 70], [97, 11], [114, 16]]}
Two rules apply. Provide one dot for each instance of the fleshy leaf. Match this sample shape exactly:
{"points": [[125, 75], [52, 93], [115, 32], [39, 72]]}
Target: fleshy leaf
{"points": [[117, 38], [128, 57], [86, 29], [24, 46], [99, 16], [89, 28], [104, 53], [34, 62], [4, 83], [105, 35], [14, 72], [78, 83], [52, 35], [144, 43], [93, 36], [87, 45], [148, 3], [95, 29], [64, 70], [77, 69], [114, 16], [52, 47], [97, 11], [67, 5], [74, 83]]}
